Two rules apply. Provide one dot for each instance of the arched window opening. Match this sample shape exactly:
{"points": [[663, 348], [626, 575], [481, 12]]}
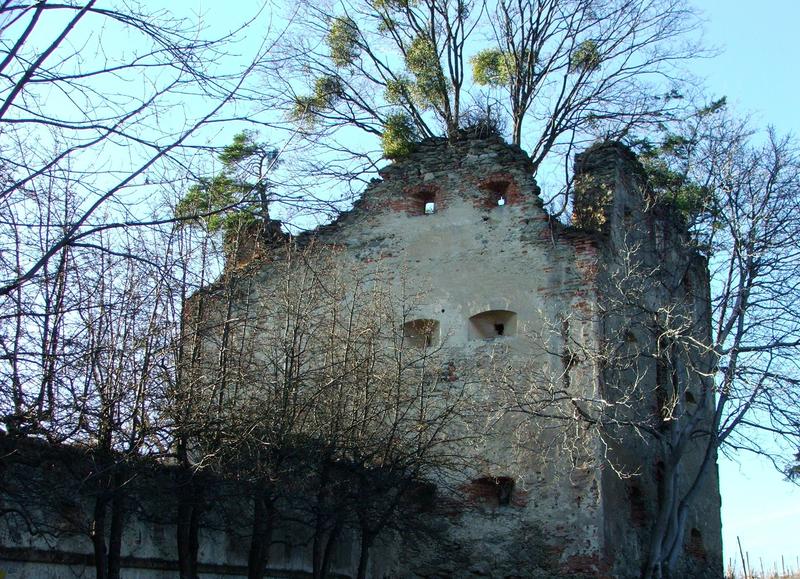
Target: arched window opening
{"points": [[423, 496], [695, 546], [496, 193], [638, 505], [421, 333], [493, 491], [492, 324]]}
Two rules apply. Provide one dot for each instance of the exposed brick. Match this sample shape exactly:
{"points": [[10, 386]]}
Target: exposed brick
{"points": [[591, 565]]}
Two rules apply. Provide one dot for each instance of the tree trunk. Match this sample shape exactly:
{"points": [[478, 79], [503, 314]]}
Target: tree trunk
{"points": [[317, 549], [194, 537], [363, 557], [185, 568], [667, 503], [516, 137], [98, 535], [188, 529], [263, 515], [321, 525], [322, 550], [330, 543], [117, 526]]}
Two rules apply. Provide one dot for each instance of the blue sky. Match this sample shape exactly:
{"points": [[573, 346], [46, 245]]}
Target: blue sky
{"points": [[758, 71], [757, 68]]}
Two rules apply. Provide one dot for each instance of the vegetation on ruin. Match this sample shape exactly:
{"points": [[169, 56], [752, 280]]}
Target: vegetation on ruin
{"points": [[718, 368], [562, 72], [235, 198], [113, 153]]}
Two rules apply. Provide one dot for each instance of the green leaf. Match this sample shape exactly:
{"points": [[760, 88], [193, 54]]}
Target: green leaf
{"points": [[213, 195], [398, 91], [713, 107], [242, 147], [326, 93], [585, 58], [669, 185], [492, 67], [430, 87], [399, 136], [342, 40], [229, 200], [392, 5]]}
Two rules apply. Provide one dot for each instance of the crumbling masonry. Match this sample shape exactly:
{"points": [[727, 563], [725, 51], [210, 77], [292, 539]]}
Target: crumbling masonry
{"points": [[466, 222], [506, 290]]}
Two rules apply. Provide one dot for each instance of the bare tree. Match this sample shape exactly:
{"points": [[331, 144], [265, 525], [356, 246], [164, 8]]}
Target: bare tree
{"points": [[585, 68], [97, 356], [86, 142], [684, 373], [423, 68], [79, 124], [126, 336], [90, 125], [306, 389]]}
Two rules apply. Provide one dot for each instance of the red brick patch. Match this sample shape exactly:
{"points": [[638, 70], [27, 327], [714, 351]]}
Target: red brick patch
{"points": [[496, 186], [593, 565]]}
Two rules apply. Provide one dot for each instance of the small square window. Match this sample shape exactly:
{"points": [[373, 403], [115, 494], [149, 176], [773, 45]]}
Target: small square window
{"points": [[492, 491], [496, 192], [423, 202], [421, 333]]}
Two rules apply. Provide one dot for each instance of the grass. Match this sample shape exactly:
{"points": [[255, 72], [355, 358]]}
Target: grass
{"points": [[783, 569]]}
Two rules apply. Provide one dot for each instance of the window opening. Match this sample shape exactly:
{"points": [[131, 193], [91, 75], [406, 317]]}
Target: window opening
{"points": [[627, 217], [659, 235], [695, 547], [688, 290], [423, 496], [421, 333], [496, 491], [497, 193], [505, 488], [638, 505], [492, 324], [423, 202]]}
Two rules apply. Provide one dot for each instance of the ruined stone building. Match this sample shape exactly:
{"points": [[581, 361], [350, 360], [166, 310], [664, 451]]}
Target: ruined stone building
{"points": [[509, 294], [526, 310]]}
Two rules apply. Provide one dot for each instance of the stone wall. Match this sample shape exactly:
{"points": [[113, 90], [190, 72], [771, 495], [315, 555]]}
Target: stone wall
{"points": [[463, 224], [474, 254], [47, 501]]}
